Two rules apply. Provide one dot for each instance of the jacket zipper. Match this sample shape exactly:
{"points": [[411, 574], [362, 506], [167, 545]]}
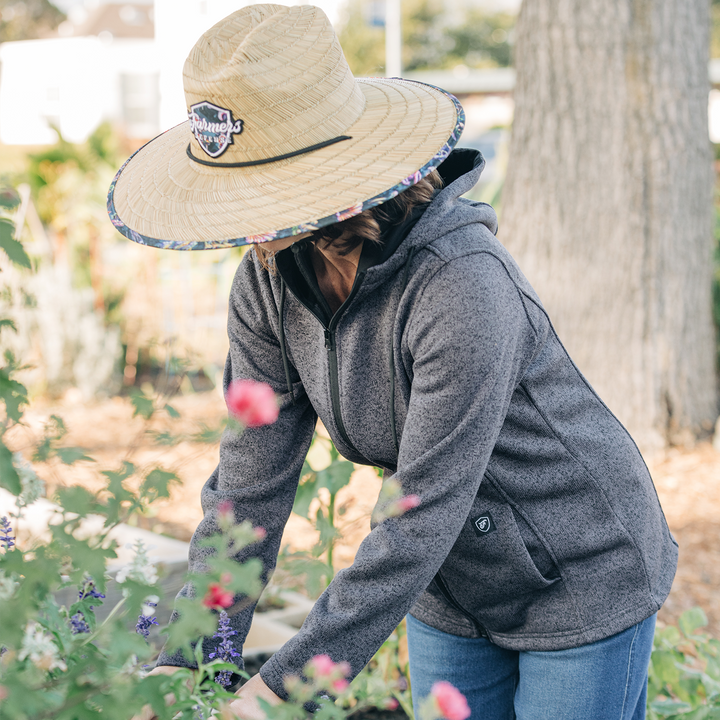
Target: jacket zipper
{"points": [[445, 591], [330, 345], [335, 388]]}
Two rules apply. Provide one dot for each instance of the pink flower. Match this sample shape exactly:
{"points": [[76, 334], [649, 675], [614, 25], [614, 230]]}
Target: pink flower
{"points": [[252, 403], [450, 701], [217, 597], [391, 704], [340, 685], [260, 533], [322, 665], [408, 502], [402, 505], [225, 512]]}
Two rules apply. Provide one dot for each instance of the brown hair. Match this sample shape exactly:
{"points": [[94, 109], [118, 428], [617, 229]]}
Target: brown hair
{"points": [[367, 225]]}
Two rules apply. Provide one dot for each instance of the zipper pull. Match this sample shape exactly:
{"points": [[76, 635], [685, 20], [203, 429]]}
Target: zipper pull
{"points": [[329, 340]]}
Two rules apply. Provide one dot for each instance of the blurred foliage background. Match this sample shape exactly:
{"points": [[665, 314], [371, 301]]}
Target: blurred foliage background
{"points": [[101, 317], [433, 39], [29, 19], [156, 329]]}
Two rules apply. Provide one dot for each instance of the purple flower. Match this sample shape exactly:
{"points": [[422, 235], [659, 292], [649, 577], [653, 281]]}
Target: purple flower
{"points": [[6, 540], [225, 650], [224, 678], [145, 622], [88, 590], [78, 624]]}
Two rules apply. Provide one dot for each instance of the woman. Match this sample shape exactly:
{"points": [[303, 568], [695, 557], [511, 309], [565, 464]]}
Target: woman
{"points": [[533, 567]]}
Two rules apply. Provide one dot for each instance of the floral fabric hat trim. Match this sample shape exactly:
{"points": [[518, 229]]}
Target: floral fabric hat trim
{"points": [[311, 224]]}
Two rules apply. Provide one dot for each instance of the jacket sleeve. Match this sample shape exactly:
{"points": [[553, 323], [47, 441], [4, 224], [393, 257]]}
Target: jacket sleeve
{"points": [[470, 340], [259, 470]]}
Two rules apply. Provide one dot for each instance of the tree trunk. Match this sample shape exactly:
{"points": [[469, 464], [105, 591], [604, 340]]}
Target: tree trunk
{"points": [[607, 204]]}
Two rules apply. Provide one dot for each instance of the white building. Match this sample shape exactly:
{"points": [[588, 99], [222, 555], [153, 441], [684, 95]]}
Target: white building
{"points": [[105, 67], [116, 61]]}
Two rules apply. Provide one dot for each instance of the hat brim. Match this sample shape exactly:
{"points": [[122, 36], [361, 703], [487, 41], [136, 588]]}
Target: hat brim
{"points": [[162, 198]]}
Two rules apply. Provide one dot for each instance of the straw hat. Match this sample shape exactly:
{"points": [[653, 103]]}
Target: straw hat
{"points": [[281, 138]]}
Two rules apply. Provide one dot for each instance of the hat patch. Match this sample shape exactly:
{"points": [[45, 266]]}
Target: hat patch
{"points": [[213, 127]]}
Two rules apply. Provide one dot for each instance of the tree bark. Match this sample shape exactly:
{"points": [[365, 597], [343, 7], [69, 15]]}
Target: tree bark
{"points": [[607, 205]]}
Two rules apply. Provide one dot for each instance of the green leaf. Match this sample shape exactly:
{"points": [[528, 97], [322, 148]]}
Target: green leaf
{"points": [[12, 393], [120, 497], [692, 620], [7, 323], [9, 478], [57, 426], [85, 556], [665, 708], [54, 431], [317, 573], [71, 455], [157, 484], [245, 577], [713, 668], [208, 435], [9, 198], [306, 493], [150, 689], [14, 249], [667, 637], [701, 713], [335, 476], [143, 405], [165, 438], [195, 621], [712, 686], [328, 531], [171, 411], [664, 668], [77, 499]]}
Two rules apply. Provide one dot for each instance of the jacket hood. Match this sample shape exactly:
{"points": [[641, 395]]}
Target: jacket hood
{"points": [[447, 212]]}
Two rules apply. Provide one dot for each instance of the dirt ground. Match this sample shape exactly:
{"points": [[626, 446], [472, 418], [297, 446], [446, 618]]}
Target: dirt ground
{"points": [[687, 481]]}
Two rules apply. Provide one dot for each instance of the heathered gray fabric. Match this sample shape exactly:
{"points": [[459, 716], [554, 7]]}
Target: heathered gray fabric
{"points": [[495, 420]]}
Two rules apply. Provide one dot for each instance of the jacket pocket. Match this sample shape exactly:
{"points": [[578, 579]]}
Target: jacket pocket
{"points": [[539, 554], [498, 566]]}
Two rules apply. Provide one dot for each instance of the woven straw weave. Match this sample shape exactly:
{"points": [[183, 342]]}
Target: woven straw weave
{"points": [[282, 72]]}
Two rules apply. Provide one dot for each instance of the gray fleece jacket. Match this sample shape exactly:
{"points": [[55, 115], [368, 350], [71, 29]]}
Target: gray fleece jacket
{"points": [[539, 526]]}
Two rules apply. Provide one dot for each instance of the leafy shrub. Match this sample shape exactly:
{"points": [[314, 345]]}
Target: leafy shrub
{"points": [[684, 677], [59, 661]]}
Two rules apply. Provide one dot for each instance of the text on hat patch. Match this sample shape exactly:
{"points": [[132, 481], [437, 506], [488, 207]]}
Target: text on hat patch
{"points": [[483, 524], [213, 127]]}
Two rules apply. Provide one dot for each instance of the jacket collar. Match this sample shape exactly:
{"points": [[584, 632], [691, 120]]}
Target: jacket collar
{"points": [[460, 172]]}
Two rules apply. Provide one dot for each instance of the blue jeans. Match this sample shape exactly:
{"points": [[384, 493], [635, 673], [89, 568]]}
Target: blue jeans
{"points": [[605, 680]]}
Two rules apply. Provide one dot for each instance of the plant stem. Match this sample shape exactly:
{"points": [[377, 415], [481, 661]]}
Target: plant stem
{"points": [[113, 612], [404, 704], [331, 543]]}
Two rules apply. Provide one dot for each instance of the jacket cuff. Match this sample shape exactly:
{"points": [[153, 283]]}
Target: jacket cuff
{"points": [[176, 659], [273, 676]]}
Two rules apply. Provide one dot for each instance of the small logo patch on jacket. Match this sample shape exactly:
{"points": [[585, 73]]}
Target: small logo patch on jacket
{"points": [[483, 524]]}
